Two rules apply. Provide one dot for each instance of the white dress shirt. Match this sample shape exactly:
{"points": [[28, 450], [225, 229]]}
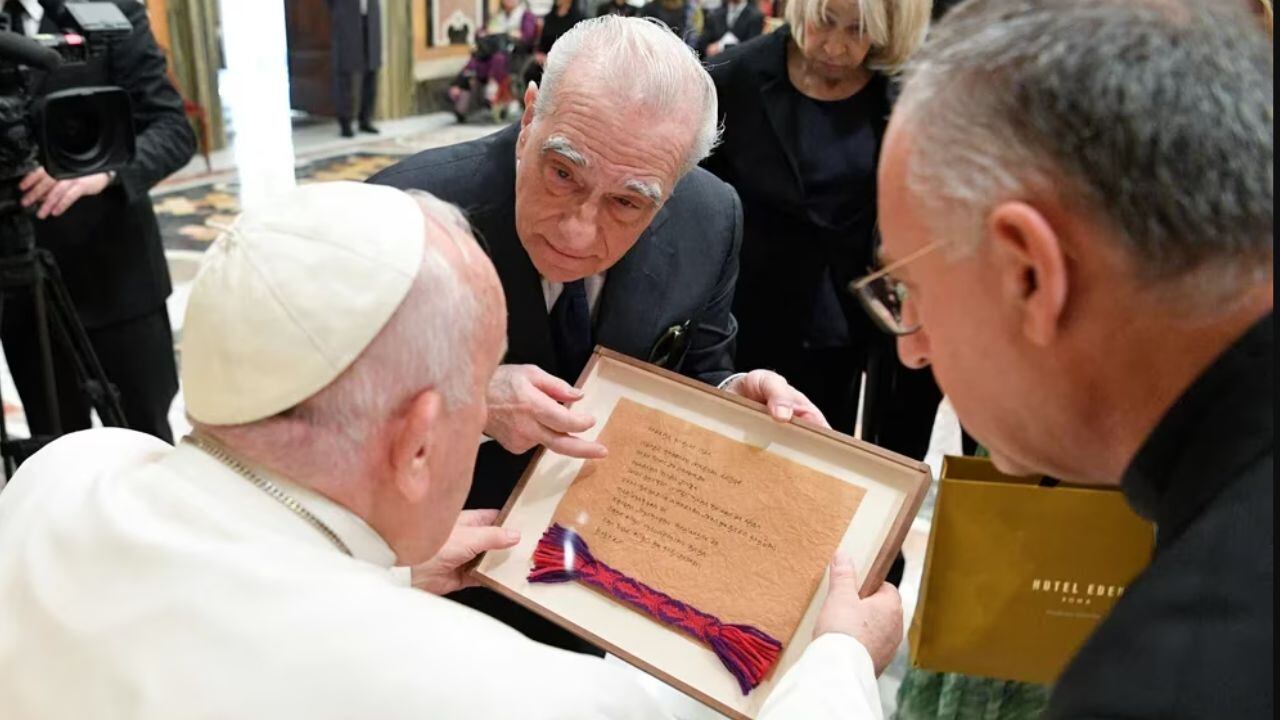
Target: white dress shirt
{"points": [[143, 581], [592, 283]]}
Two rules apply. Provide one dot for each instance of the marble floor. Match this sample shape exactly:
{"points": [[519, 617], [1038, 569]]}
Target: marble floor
{"points": [[320, 142]]}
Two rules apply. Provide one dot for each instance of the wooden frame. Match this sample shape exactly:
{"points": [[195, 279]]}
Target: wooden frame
{"points": [[874, 534]]}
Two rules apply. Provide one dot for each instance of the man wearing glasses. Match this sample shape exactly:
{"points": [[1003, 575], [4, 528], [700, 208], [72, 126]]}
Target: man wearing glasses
{"points": [[1076, 202]]}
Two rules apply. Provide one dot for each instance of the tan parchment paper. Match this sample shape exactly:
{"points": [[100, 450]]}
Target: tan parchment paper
{"points": [[733, 530]]}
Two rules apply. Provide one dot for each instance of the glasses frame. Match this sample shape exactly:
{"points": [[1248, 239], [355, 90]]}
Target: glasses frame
{"points": [[874, 306]]}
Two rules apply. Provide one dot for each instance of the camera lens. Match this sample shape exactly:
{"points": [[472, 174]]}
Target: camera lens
{"points": [[78, 136], [84, 130]]}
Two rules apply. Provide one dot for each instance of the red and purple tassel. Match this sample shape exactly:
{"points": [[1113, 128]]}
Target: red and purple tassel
{"points": [[749, 654]]}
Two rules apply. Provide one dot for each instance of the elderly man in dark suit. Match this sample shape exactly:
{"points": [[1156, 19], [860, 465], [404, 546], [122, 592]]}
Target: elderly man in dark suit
{"points": [[356, 28], [735, 21], [603, 230], [103, 234]]}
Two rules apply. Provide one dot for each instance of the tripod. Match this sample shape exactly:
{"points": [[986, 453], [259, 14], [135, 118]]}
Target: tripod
{"points": [[26, 268]]}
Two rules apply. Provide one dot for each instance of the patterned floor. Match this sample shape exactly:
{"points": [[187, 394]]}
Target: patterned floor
{"points": [[189, 218]]}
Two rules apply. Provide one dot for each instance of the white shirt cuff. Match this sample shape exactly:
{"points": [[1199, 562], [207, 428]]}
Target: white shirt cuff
{"points": [[724, 384], [835, 678]]}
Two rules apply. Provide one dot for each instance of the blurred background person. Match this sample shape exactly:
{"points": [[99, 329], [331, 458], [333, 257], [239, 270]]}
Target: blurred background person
{"points": [[483, 80], [679, 15], [515, 20], [616, 7], [103, 234], [356, 27], [733, 22], [804, 111], [564, 15]]}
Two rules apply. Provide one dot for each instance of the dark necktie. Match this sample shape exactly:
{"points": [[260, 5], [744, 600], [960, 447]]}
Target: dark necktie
{"points": [[17, 16], [571, 330]]}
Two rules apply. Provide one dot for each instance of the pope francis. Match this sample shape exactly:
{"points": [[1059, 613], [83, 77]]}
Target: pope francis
{"points": [[286, 559]]}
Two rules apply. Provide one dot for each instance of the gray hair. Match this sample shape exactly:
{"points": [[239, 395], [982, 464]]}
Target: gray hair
{"points": [[1156, 115], [424, 344], [644, 65]]}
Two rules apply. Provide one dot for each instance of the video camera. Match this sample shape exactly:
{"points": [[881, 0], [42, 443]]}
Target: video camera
{"points": [[57, 108]]}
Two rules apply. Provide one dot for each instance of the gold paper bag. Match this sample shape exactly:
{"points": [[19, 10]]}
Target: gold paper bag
{"points": [[1018, 575]]}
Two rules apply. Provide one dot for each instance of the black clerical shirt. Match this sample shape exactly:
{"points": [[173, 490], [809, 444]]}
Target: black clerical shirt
{"points": [[1193, 636]]}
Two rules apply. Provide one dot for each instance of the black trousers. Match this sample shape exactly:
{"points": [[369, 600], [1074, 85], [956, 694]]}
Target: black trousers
{"points": [[136, 354], [342, 95]]}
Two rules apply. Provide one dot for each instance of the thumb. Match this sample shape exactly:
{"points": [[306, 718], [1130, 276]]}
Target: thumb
{"points": [[484, 539], [554, 387], [844, 579]]}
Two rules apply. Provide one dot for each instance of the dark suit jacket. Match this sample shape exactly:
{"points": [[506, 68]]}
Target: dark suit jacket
{"points": [[108, 246], [357, 44], [759, 157], [1194, 634], [682, 268], [748, 25]]}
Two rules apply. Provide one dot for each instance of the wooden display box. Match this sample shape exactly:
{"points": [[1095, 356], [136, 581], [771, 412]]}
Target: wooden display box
{"points": [[889, 490]]}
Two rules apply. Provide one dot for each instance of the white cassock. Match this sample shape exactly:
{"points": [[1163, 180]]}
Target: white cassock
{"points": [[142, 581]]}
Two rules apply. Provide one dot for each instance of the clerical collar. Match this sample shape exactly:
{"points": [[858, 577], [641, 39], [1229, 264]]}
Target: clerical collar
{"points": [[362, 541], [1221, 424]]}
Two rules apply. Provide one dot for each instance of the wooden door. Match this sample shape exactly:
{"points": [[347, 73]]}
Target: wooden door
{"points": [[310, 62]]}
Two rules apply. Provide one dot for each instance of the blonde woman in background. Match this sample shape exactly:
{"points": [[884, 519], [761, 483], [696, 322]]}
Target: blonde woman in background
{"points": [[804, 111]]}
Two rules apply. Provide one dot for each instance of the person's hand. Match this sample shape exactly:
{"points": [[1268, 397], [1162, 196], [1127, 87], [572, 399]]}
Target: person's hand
{"points": [[784, 401], [526, 410], [875, 621], [57, 196], [714, 49], [473, 534]]}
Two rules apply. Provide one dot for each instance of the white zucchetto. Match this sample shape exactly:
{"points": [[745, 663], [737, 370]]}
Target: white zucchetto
{"points": [[292, 293]]}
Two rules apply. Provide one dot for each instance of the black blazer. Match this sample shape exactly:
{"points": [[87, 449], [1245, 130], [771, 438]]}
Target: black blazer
{"points": [[1194, 634], [108, 246], [682, 270], [748, 25], [786, 253]]}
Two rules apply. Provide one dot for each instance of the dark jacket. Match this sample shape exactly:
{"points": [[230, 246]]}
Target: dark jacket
{"points": [[679, 19], [553, 26], [748, 25], [1193, 636], [108, 246], [357, 40], [663, 281], [789, 255]]}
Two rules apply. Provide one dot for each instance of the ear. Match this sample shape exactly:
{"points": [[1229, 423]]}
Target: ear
{"points": [[1028, 257], [526, 118], [412, 445]]}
